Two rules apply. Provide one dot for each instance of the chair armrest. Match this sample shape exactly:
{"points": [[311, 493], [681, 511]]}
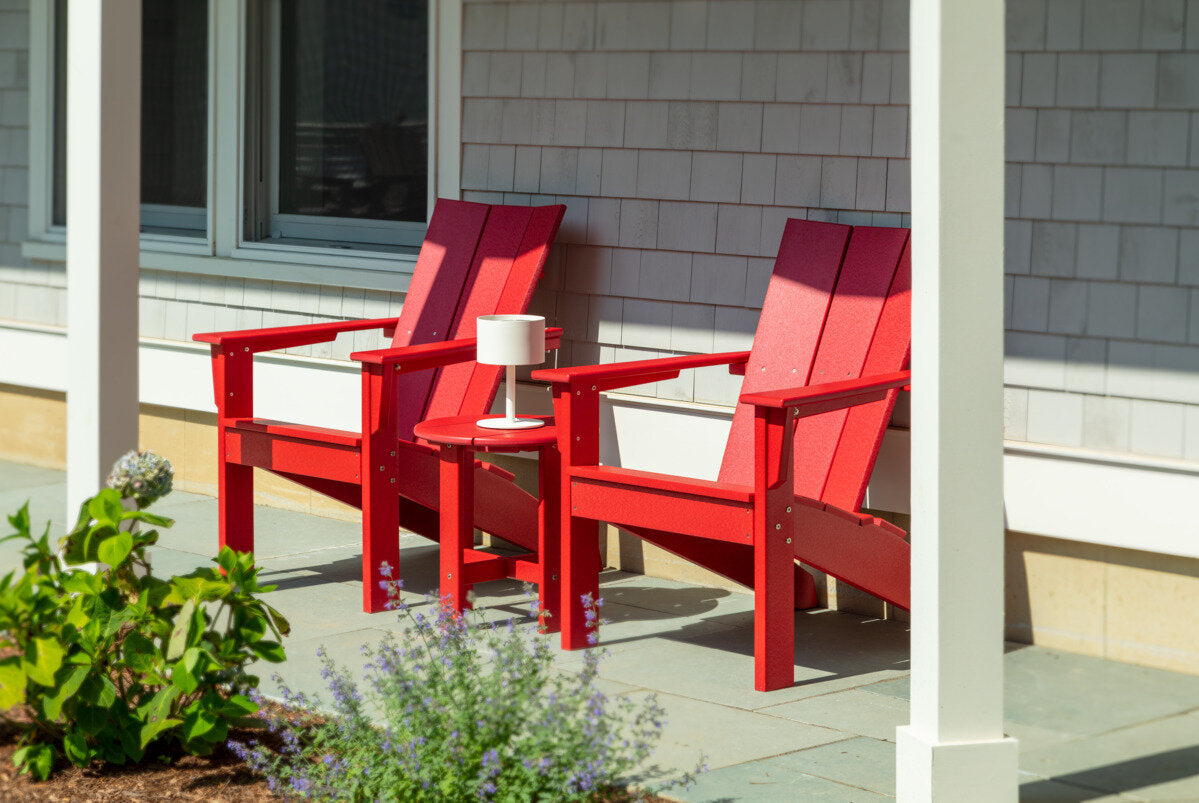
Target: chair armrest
{"points": [[823, 398], [434, 355], [637, 372], [282, 337]]}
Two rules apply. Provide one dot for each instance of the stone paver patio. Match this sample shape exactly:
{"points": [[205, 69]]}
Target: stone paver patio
{"points": [[1089, 729]]}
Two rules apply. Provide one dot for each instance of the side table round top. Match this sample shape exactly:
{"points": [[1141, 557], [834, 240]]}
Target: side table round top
{"points": [[462, 431]]}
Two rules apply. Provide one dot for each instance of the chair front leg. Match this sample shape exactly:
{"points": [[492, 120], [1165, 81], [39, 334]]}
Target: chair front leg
{"points": [[233, 390], [379, 472], [774, 556], [235, 500], [457, 505], [576, 414]]}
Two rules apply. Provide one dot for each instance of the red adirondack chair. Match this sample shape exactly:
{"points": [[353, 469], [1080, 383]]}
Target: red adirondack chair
{"points": [[477, 259], [820, 383]]}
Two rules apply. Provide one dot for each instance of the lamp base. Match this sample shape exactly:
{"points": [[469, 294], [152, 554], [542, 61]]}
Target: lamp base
{"points": [[510, 423]]}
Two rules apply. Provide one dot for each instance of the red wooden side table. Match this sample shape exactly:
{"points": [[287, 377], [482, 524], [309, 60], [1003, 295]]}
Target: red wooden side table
{"points": [[461, 566]]}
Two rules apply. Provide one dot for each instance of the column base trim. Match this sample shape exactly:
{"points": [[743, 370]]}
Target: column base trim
{"points": [[972, 772]]}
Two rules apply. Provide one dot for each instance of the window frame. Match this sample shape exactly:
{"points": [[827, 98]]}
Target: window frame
{"points": [[240, 119]]}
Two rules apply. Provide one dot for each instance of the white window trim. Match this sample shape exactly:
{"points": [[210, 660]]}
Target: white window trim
{"points": [[223, 251]]}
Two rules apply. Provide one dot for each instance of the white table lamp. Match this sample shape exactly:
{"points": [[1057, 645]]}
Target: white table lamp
{"points": [[510, 340]]}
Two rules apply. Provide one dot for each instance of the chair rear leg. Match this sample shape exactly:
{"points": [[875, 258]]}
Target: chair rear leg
{"points": [[235, 505]]}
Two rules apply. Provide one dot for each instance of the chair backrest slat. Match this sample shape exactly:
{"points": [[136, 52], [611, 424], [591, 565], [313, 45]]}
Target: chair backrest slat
{"points": [[866, 424], [477, 259], [862, 287], [514, 299], [837, 307], [788, 334], [442, 271]]}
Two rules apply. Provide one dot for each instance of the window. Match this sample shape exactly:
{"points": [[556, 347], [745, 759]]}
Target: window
{"points": [[300, 131]]}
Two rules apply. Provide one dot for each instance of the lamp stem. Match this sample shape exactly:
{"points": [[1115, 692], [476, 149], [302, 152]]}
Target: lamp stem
{"points": [[510, 392]]}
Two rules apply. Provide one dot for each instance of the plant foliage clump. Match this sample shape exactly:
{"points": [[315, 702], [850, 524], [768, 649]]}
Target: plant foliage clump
{"points": [[459, 709], [112, 664]]}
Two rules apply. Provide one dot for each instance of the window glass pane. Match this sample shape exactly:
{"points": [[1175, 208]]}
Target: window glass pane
{"points": [[174, 181], [174, 102], [353, 109]]}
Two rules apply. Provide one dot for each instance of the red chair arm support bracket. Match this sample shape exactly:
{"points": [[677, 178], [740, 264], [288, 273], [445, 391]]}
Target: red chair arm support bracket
{"points": [[637, 372], [816, 399], [282, 337], [410, 359]]}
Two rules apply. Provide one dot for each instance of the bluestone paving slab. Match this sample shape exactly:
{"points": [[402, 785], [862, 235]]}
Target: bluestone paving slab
{"points": [[725, 736], [47, 503], [672, 597], [832, 653], [767, 782], [1156, 760], [862, 762], [302, 670], [852, 711], [1038, 790], [165, 562], [16, 475], [1080, 695], [276, 532]]}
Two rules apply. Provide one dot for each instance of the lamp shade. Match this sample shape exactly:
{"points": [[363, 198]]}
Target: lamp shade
{"points": [[510, 339]]}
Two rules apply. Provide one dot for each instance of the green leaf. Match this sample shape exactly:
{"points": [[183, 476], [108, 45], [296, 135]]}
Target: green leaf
{"points": [[35, 759], [47, 658], [269, 651], [140, 652], [151, 730], [226, 559], [105, 507], [196, 724], [159, 706], [76, 749], [238, 705], [12, 683], [90, 719], [52, 704], [131, 745], [183, 672], [149, 518], [98, 690], [278, 620], [115, 549], [181, 631]]}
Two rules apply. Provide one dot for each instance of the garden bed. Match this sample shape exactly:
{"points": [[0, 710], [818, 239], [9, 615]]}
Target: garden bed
{"points": [[220, 778]]}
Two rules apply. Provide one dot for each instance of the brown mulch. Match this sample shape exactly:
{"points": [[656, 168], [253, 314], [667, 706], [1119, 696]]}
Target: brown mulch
{"points": [[218, 778]]}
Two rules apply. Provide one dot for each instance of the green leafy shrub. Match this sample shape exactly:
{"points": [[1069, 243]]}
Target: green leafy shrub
{"points": [[459, 709], [112, 664]]}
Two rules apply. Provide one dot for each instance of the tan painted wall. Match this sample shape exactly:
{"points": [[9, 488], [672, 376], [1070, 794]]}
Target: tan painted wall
{"points": [[1120, 604]]}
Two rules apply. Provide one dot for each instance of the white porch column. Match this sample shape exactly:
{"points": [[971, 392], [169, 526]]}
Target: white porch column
{"points": [[954, 749], [104, 46]]}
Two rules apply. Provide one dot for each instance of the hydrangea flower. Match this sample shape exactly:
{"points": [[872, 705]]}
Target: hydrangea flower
{"points": [[142, 476]]}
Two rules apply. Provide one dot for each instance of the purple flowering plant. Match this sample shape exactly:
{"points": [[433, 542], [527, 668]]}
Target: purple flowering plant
{"points": [[461, 708]]}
